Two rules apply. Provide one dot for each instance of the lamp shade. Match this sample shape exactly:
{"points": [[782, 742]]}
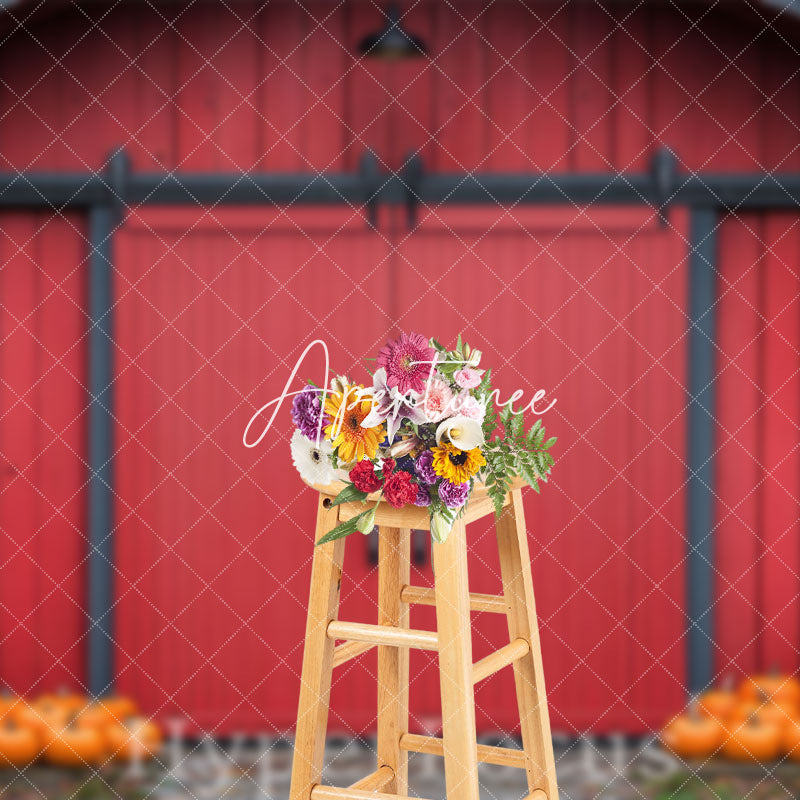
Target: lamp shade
{"points": [[392, 41]]}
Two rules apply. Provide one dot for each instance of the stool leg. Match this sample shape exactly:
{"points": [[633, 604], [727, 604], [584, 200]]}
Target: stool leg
{"points": [[394, 552], [455, 665], [515, 567], [315, 682]]}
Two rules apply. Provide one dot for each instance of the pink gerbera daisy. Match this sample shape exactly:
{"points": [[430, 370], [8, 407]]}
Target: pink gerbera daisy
{"points": [[408, 362]]}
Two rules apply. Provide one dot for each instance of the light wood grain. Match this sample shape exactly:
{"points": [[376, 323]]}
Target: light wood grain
{"points": [[332, 489], [480, 506], [455, 665], [487, 754], [335, 793], [346, 651], [394, 565], [508, 654], [383, 635], [385, 516], [515, 569], [426, 596], [453, 641], [538, 794], [376, 781], [315, 680]]}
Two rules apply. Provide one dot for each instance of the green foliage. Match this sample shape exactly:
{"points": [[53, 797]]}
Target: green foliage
{"points": [[345, 528], [684, 786], [511, 450], [349, 495]]}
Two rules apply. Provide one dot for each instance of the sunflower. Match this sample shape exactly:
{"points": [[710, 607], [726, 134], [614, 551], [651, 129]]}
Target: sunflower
{"points": [[457, 466], [347, 410]]}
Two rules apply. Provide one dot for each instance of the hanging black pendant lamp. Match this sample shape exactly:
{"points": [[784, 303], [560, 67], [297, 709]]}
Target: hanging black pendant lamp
{"points": [[392, 42]]}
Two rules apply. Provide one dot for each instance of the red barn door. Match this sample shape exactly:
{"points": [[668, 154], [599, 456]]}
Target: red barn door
{"points": [[757, 615], [590, 307], [43, 405], [214, 541]]}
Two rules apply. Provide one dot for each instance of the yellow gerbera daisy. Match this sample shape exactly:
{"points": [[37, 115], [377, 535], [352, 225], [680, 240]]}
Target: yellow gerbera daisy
{"points": [[457, 466], [347, 410]]}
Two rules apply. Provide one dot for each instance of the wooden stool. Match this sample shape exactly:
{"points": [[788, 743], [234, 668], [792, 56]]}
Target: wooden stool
{"points": [[452, 640]]}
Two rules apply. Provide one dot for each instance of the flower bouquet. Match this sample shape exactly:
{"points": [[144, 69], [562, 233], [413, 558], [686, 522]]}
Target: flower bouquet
{"points": [[422, 434]]}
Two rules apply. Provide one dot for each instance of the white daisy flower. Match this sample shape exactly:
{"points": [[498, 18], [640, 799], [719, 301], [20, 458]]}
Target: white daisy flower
{"points": [[312, 462]]}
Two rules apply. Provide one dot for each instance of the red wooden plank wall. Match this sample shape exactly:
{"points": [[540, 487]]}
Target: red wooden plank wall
{"points": [[214, 543], [214, 306], [42, 452], [548, 86], [758, 616]]}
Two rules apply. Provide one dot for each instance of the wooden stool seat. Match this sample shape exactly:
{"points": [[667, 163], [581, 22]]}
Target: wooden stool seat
{"points": [[393, 637]]}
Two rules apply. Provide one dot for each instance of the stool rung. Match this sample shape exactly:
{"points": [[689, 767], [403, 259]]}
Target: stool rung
{"points": [[375, 781], [320, 792], [488, 754], [425, 596], [494, 662], [349, 650], [383, 634]]}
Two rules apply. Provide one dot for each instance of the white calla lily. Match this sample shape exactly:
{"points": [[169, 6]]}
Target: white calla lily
{"points": [[463, 432]]}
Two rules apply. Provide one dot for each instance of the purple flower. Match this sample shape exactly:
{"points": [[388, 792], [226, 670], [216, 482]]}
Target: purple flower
{"points": [[306, 412], [423, 466], [454, 495], [423, 497]]}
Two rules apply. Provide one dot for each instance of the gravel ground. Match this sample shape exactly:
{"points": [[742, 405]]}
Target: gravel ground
{"points": [[616, 770]]}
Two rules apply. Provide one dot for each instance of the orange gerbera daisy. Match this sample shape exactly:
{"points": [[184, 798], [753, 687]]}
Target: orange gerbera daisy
{"points": [[347, 410]]}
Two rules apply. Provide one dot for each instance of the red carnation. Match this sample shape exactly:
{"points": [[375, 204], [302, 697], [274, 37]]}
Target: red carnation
{"points": [[388, 467], [399, 490], [364, 477]]}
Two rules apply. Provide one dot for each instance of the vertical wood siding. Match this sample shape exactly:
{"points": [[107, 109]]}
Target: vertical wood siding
{"points": [[213, 307], [214, 542], [510, 86], [42, 452], [758, 444]]}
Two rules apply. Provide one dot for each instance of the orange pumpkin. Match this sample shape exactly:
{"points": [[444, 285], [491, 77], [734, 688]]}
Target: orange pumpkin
{"points": [[43, 717], [791, 740], [138, 737], [692, 735], [69, 702], [18, 746], [9, 705], [718, 703], [119, 707], [754, 740], [73, 746], [773, 711], [106, 712], [94, 716], [773, 685]]}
